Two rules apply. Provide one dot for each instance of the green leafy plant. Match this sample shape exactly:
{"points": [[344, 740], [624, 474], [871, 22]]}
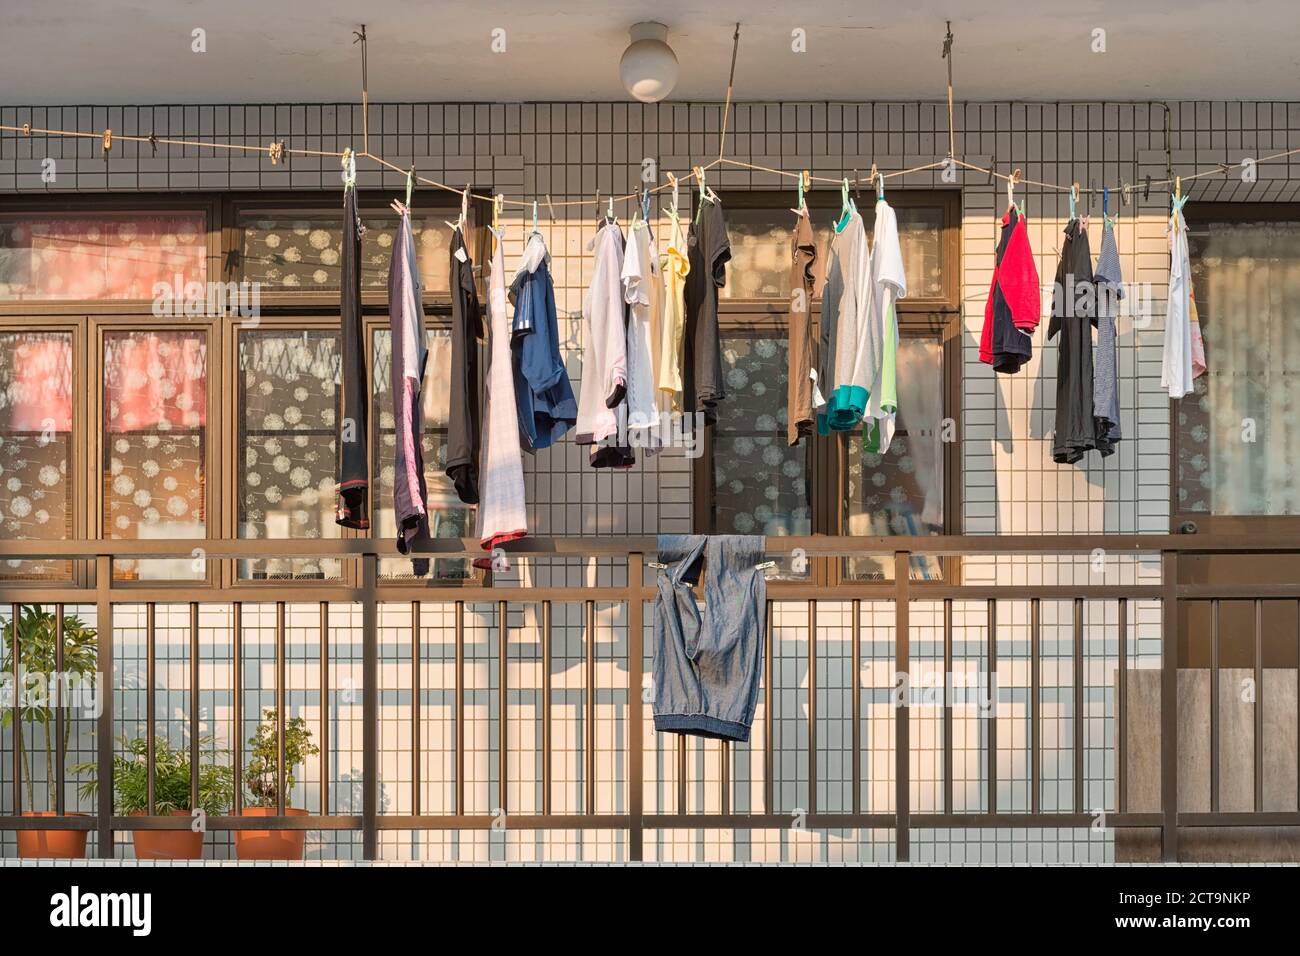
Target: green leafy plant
{"points": [[171, 778], [38, 645], [263, 768]]}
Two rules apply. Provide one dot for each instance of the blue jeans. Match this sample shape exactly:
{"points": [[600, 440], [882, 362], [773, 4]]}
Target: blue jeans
{"points": [[707, 666]]}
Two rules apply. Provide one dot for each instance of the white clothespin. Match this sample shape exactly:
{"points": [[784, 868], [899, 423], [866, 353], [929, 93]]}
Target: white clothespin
{"points": [[349, 164]]}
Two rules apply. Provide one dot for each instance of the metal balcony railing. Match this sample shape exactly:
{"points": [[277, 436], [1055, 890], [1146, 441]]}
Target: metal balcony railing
{"points": [[1162, 551]]}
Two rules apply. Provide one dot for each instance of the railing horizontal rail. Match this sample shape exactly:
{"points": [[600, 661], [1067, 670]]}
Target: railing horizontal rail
{"points": [[620, 546]]}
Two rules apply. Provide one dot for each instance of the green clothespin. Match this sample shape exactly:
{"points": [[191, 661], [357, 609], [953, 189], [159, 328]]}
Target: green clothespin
{"points": [[410, 184], [846, 207]]}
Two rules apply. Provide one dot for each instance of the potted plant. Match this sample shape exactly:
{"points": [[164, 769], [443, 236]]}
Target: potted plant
{"points": [[38, 646], [262, 774], [171, 794]]}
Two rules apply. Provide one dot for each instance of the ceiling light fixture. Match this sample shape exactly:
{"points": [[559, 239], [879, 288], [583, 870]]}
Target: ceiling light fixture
{"points": [[649, 65]]}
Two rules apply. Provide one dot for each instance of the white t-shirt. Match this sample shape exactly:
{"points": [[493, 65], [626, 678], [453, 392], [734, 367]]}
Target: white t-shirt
{"points": [[604, 358], [641, 292], [1176, 364], [888, 285]]}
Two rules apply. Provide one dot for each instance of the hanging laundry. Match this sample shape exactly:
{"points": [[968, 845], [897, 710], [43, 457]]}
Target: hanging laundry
{"points": [[352, 448], [1198, 344], [409, 358], [799, 389], [1105, 391], [641, 292], [502, 512], [674, 267], [1014, 306], [547, 408], [466, 330], [709, 251], [887, 285], [827, 339], [1176, 372], [1073, 307], [857, 343], [602, 412], [708, 667]]}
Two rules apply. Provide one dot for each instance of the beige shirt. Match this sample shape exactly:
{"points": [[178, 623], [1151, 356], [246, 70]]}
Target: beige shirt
{"points": [[673, 266]]}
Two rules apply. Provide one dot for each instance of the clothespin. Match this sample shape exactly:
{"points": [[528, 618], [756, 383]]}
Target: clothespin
{"points": [[645, 204], [1105, 202], [993, 168], [349, 164], [108, 142], [535, 215], [1012, 182], [801, 206], [880, 185], [464, 211], [1146, 188], [498, 201], [275, 151], [153, 145], [845, 209], [410, 184], [1127, 194], [1177, 200], [609, 210], [1074, 200]]}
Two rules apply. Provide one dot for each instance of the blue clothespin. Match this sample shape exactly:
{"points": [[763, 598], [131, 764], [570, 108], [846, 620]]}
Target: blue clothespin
{"points": [[645, 204]]}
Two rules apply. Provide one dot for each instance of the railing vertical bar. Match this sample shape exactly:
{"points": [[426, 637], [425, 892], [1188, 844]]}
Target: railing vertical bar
{"points": [[60, 748], [1215, 786], [812, 706], [589, 802], [991, 653], [460, 708], [104, 732], [902, 718], [281, 774], [1121, 713], [324, 707], [1259, 705], [855, 684], [636, 728], [150, 686], [370, 707], [947, 705], [681, 773], [1035, 705], [546, 708], [769, 786], [237, 703], [1297, 716], [196, 691], [1169, 706], [416, 692], [503, 706], [1079, 716], [724, 783], [16, 657]]}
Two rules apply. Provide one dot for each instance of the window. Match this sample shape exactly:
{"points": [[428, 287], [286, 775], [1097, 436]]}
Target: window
{"points": [[1236, 435], [99, 256], [301, 250], [35, 446], [288, 404], [155, 444], [751, 481]]}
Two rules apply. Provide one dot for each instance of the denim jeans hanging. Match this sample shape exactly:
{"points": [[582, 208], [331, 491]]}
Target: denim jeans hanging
{"points": [[708, 665]]}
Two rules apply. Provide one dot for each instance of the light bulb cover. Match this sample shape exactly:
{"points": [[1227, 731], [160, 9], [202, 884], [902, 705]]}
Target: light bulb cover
{"points": [[649, 66]]}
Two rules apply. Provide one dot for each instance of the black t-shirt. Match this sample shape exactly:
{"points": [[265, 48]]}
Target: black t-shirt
{"points": [[1072, 315], [708, 252], [463, 411]]}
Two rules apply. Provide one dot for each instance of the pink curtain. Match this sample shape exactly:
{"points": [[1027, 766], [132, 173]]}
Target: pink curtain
{"points": [[39, 391], [155, 381]]}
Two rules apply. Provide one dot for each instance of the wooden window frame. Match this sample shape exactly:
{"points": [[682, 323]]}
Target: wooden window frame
{"points": [[937, 317], [1207, 522], [88, 320]]}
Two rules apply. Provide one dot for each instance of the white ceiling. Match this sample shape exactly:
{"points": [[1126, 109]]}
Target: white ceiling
{"points": [[138, 51]]}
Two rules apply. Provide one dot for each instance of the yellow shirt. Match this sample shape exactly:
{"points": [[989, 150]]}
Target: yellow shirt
{"points": [[673, 267]]}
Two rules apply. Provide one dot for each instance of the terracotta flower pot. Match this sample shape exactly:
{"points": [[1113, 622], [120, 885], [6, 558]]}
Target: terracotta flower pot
{"points": [[270, 844], [52, 844], [167, 844]]}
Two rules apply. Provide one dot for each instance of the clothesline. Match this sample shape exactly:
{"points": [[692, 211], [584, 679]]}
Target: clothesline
{"points": [[278, 150]]}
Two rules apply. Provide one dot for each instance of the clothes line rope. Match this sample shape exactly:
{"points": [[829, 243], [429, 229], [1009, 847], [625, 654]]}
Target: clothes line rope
{"points": [[277, 150]]}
